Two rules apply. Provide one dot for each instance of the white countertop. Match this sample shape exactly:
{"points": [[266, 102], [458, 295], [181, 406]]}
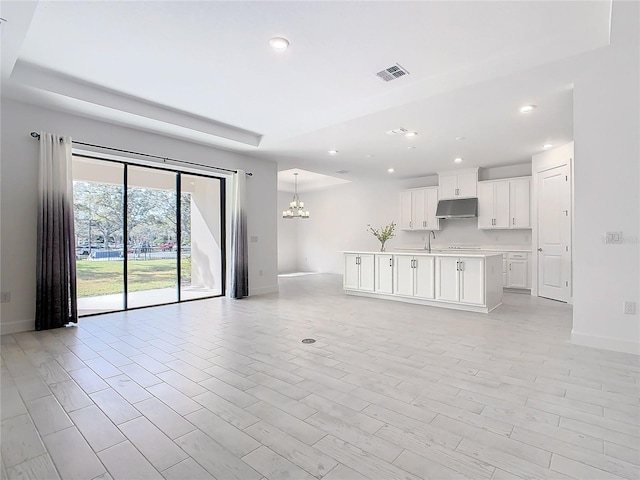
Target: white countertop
{"points": [[466, 248], [434, 253]]}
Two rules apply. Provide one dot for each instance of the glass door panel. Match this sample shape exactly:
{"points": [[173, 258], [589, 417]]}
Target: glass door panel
{"points": [[201, 237], [98, 202], [152, 262]]}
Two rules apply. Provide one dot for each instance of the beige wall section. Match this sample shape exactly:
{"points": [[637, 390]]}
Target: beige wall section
{"points": [[19, 179]]}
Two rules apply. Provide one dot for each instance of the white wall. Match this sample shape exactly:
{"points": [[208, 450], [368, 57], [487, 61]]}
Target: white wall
{"points": [[19, 197], [607, 182], [287, 236], [340, 215]]}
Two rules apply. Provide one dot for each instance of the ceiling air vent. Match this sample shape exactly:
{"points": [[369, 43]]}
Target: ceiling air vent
{"points": [[342, 172], [392, 73]]}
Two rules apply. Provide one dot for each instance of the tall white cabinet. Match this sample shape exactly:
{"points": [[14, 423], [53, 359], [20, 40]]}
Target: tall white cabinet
{"points": [[418, 209]]}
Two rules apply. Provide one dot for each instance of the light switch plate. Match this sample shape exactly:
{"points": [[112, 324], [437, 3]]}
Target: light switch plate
{"points": [[614, 237], [5, 297]]}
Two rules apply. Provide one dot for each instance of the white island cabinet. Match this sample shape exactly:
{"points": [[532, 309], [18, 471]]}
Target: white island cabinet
{"points": [[470, 282], [414, 276], [460, 279], [359, 271]]}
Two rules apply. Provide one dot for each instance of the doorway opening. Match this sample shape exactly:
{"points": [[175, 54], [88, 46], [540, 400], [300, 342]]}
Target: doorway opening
{"points": [[145, 236]]}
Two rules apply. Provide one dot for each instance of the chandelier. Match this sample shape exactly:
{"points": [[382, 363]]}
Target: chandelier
{"points": [[296, 207]]}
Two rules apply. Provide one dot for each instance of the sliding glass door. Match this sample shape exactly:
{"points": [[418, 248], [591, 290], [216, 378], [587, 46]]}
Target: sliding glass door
{"points": [[146, 236], [98, 197], [201, 235], [152, 262]]}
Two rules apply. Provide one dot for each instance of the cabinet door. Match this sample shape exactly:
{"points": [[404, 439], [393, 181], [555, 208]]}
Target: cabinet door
{"points": [[405, 210], [418, 211], [431, 205], [424, 286], [520, 203], [403, 275], [367, 272], [517, 273], [384, 273], [501, 210], [468, 184], [448, 185], [447, 282], [351, 271], [472, 280], [485, 205]]}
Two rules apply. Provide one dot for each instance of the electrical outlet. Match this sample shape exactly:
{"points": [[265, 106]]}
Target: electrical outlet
{"points": [[5, 297], [630, 308], [614, 237]]}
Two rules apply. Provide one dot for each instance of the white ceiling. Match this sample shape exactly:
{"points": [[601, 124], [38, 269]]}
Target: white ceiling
{"points": [[204, 71]]}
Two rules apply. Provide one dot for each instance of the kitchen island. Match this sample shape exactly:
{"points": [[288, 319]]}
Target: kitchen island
{"points": [[461, 281]]}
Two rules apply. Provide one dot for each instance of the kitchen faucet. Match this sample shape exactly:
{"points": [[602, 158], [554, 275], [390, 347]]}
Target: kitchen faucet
{"points": [[427, 244]]}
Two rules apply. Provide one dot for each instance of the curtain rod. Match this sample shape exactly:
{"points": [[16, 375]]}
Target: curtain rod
{"points": [[164, 159]]}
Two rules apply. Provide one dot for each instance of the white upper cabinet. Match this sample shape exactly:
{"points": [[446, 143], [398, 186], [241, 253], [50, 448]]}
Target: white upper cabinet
{"points": [[418, 209], [520, 202], [458, 183], [493, 204], [504, 203]]}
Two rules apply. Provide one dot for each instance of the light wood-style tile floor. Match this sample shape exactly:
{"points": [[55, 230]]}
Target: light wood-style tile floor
{"points": [[225, 389]]}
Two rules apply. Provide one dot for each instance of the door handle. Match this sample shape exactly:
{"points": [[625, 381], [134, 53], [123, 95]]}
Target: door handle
{"points": [[513, 221], [424, 223], [410, 224], [457, 266], [539, 249], [509, 266], [461, 266], [391, 262]]}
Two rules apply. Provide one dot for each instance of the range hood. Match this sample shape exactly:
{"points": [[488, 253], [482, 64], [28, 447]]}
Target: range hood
{"points": [[457, 208]]}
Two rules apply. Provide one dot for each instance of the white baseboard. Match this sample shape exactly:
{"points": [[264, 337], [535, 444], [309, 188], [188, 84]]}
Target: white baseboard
{"points": [[17, 327], [605, 343], [263, 290]]}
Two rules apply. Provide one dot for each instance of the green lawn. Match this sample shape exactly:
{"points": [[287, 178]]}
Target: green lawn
{"points": [[104, 278]]}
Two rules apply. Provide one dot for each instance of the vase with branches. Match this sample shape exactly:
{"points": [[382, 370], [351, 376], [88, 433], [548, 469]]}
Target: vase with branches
{"points": [[383, 233]]}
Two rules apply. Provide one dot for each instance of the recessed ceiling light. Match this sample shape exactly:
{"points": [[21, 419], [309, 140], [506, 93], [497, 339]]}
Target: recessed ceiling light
{"points": [[460, 138], [368, 155], [411, 147], [279, 44], [333, 152], [527, 108], [390, 170], [411, 134], [547, 146], [458, 160], [396, 131]]}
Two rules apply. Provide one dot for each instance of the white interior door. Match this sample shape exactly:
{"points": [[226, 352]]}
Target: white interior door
{"points": [[554, 233]]}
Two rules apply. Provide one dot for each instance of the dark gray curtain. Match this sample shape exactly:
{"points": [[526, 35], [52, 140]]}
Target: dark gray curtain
{"points": [[56, 302], [239, 248]]}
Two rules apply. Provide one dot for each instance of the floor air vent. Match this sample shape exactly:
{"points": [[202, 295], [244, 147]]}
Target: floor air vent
{"points": [[392, 73]]}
